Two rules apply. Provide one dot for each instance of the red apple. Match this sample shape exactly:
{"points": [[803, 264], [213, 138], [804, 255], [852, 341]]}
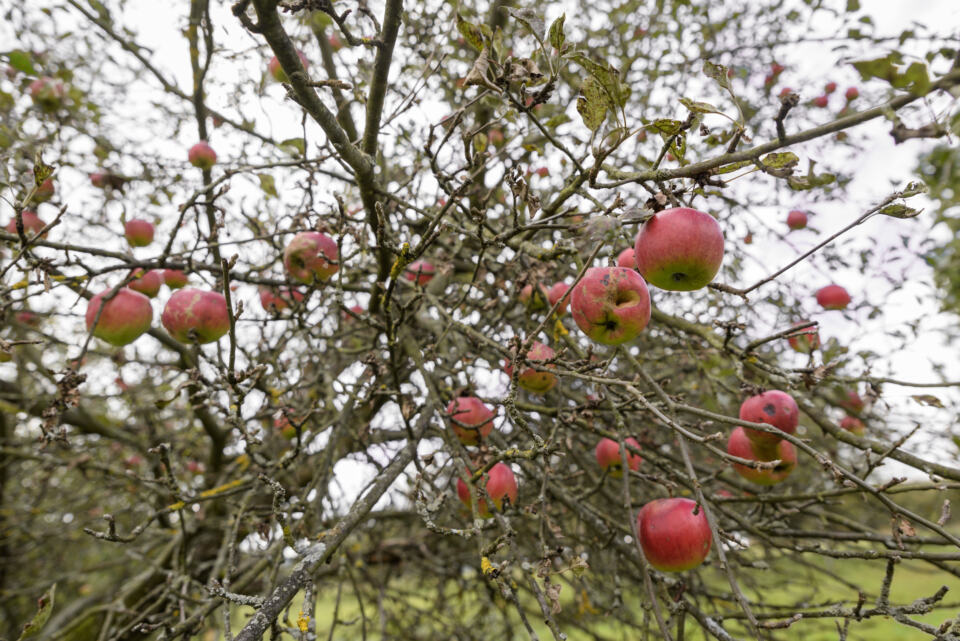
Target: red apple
{"points": [[555, 293], [499, 483], [772, 407], [311, 257], [277, 300], [776, 68], [531, 301], [470, 419], [674, 534], [543, 172], [146, 283], [833, 297], [741, 446], [124, 318], [99, 179], [830, 88], [277, 71], [821, 101], [626, 259], [47, 93], [32, 224], [786, 91], [797, 219], [806, 340], [45, 191], [853, 425], [851, 94], [175, 278], [28, 318], [748, 239], [608, 456], [642, 135], [679, 249], [193, 315], [853, 402], [202, 155], [529, 378], [420, 272], [611, 305], [139, 233]]}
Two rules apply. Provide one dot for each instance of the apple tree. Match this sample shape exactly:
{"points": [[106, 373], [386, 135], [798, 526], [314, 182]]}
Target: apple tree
{"points": [[441, 320]]}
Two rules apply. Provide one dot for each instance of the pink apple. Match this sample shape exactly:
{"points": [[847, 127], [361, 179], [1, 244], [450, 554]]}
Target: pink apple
{"points": [[139, 233], [495, 137], [529, 378], [175, 278], [772, 407], [807, 340], [830, 88], [202, 155], [679, 249], [786, 91], [28, 318], [470, 419], [499, 482], [626, 259], [193, 315], [797, 219], [335, 42], [851, 94], [611, 305], [277, 300], [32, 224], [311, 257], [853, 425], [555, 293], [45, 191], [420, 272], [277, 71], [833, 297], [47, 93], [821, 101], [147, 283], [124, 318], [608, 456], [674, 534], [740, 446], [99, 179]]}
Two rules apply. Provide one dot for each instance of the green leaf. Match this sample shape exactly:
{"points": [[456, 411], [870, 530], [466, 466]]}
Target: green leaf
{"points": [[44, 610], [293, 146], [700, 107], [21, 61], [470, 32], [915, 79], [557, 38], [665, 127], [592, 104], [780, 160], [607, 75], [716, 72], [897, 210], [268, 185], [884, 68], [532, 20]]}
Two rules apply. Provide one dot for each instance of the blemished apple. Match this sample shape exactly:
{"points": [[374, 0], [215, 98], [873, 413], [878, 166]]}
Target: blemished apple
{"points": [[740, 446], [853, 425], [125, 317], [557, 292], [679, 249], [47, 93], [32, 224], [45, 191], [772, 407], [420, 272], [797, 219], [626, 259], [806, 340], [529, 378], [311, 257], [277, 300], [470, 419], [674, 534], [147, 283], [611, 305], [277, 72], [608, 456], [499, 483], [196, 316], [202, 155], [833, 297], [139, 233], [175, 278]]}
